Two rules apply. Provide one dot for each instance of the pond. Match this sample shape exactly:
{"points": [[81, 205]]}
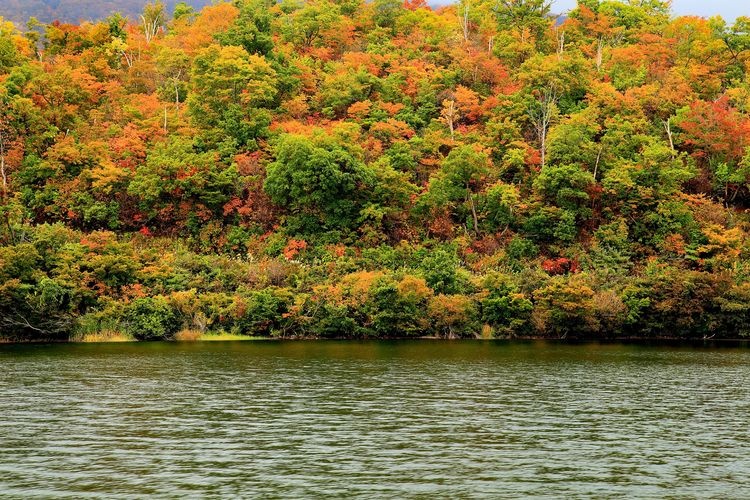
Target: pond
{"points": [[374, 419]]}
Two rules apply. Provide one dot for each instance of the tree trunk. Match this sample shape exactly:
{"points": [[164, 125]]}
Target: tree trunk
{"points": [[3, 174], [668, 128], [464, 22], [473, 211]]}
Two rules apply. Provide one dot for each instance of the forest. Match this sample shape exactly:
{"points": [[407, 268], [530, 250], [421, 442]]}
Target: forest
{"points": [[379, 169]]}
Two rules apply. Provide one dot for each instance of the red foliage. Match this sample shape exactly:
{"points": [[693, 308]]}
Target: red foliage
{"points": [[441, 225], [559, 266], [715, 129], [487, 245], [415, 4], [294, 247]]}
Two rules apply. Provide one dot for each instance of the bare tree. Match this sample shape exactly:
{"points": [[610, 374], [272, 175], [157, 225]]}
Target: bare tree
{"points": [[3, 173], [8, 135], [541, 113], [463, 19], [153, 19], [560, 38], [450, 115], [668, 129], [33, 313], [599, 53]]}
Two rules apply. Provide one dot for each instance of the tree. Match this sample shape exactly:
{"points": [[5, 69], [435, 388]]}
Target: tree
{"points": [[564, 307], [441, 272], [387, 11], [252, 28], [340, 90], [505, 308], [551, 82], [183, 11], [9, 55], [450, 115], [460, 177], [153, 19], [737, 42], [6, 137], [526, 21], [151, 318], [175, 174], [498, 206], [718, 135], [453, 316], [566, 186], [174, 69], [307, 25], [318, 181], [224, 78]]}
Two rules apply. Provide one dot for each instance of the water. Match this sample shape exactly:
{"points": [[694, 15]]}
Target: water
{"points": [[375, 420]]}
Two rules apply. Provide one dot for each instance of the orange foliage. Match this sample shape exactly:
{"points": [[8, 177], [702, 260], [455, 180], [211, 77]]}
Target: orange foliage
{"points": [[200, 34], [293, 248]]}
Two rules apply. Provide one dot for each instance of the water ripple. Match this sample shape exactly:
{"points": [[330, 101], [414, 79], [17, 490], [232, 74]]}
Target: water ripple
{"points": [[373, 420]]}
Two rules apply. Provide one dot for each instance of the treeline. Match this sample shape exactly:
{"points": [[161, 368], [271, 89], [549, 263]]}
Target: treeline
{"points": [[61, 281], [376, 169]]}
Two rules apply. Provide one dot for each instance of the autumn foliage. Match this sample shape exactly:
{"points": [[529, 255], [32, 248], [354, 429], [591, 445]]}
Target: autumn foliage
{"points": [[376, 169]]}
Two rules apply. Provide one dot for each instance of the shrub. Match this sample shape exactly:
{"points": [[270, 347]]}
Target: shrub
{"points": [[151, 318], [442, 273], [453, 316], [261, 312], [505, 308], [398, 308]]}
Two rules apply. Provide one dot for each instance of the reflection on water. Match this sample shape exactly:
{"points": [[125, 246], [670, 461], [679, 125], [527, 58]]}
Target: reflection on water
{"points": [[373, 419]]}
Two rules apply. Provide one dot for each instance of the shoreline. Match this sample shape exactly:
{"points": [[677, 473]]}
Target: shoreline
{"points": [[248, 338]]}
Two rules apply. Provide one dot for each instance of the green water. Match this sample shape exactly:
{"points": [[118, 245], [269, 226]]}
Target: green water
{"points": [[374, 420]]}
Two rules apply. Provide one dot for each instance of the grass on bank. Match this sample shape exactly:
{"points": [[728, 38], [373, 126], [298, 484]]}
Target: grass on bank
{"points": [[181, 336], [197, 336], [103, 336]]}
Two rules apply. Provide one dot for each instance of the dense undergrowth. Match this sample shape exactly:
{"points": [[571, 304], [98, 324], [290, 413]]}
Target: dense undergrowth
{"points": [[349, 169]]}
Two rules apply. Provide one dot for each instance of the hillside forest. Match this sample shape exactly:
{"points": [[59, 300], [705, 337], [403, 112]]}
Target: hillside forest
{"points": [[352, 169]]}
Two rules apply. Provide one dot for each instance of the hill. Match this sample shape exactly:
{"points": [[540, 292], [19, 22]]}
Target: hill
{"points": [[377, 169], [74, 11]]}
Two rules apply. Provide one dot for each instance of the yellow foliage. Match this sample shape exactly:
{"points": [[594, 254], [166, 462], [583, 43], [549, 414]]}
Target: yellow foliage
{"points": [[357, 285], [107, 175], [450, 313], [414, 288]]}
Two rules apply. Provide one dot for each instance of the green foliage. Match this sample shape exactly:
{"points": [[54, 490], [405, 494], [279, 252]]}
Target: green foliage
{"points": [[261, 312], [564, 307], [462, 173], [151, 318], [566, 186], [498, 206], [396, 312], [318, 181], [505, 308], [551, 225], [252, 28], [9, 55], [441, 271], [308, 22], [228, 75], [175, 171], [340, 90]]}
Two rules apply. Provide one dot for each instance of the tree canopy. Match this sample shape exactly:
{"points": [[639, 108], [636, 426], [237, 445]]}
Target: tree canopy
{"points": [[351, 168]]}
